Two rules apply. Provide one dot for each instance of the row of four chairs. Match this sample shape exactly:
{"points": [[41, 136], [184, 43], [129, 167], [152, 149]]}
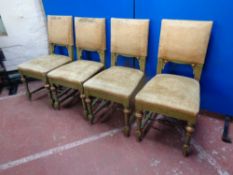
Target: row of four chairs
{"points": [[181, 41]]}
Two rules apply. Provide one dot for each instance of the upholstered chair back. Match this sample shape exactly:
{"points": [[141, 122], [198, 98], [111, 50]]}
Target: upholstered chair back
{"points": [[129, 37], [60, 30], [184, 41], [60, 33], [90, 35]]}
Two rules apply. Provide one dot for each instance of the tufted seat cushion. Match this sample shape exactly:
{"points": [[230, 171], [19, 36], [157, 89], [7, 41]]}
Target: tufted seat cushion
{"points": [[117, 84], [39, 67], [171, 94], [73, 75]]}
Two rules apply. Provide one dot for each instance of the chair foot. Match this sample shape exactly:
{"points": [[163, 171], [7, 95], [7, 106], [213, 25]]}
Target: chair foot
{"points": [[82, 96], [29, 95], [25, 81], [139, 134], [51, 101], [56, 103], [186, 150], [186, 147], [127, 122], [89, 109], [126, 131]]}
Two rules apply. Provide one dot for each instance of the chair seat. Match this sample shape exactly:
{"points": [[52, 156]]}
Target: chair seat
{"points": [[116, 84], [39, 67], [172, 95], [74, 74]]}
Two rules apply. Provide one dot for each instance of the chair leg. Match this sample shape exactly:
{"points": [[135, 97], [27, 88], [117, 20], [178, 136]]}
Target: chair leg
{"points": [[47, 86], [56, 103], [139, 116], [188, 134], [82, 96], [127, 122], [25, 81], [91, 117]]}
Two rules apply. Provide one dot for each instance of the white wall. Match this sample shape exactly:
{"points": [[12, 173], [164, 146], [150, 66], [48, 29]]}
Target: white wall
{"points": [[25, 23]]}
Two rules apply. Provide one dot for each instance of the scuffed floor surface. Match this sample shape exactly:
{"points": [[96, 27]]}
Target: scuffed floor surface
{"points": [[36, 139]]}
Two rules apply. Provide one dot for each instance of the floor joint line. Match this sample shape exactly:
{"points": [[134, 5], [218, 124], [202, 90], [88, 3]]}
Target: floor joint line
{"points": [[57, 149]]}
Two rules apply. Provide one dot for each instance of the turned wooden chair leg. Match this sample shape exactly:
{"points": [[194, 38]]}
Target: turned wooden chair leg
{"points": [[25, 81], [82, 96], [47, 86], [139, 116], [188, 135], [90, 111], [127, 122], [56, 103]]}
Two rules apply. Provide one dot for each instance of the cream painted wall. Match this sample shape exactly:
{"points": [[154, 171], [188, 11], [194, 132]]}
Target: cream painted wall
{"points": [[26, 27]]}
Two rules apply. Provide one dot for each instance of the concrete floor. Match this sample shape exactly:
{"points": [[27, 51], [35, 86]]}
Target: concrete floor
{"points": [[36, 139]]}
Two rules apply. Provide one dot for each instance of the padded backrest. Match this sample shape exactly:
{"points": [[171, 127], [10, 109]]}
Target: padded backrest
{"points": [[60, 30], [90, 33], [129, 36], [184, 41]]}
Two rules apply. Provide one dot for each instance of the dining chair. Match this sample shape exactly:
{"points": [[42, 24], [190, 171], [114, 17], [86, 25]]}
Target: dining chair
{"points": [[60, 33], [118, 84], [175, 96], [90, 36]]}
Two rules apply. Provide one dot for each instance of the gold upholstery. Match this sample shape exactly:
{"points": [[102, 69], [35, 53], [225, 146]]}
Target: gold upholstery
{"points": [[165, 93], [91, 33], [184, 41], [39, 67], [116, 84], [60, 30], [129, 37], [74, 74], [181, 41]]}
